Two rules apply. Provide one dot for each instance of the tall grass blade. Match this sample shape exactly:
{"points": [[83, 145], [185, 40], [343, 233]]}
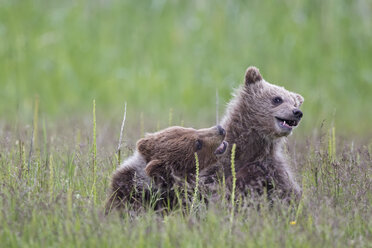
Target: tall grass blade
{"points": [[94, 191], [35, 121], [196, 190], [118, 151], [217, 107], [233, 174], [51, 178], [332, 145]]}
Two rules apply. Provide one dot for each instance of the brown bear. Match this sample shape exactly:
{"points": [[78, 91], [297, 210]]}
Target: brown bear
{"points": [[257, 120], [161, 160]]}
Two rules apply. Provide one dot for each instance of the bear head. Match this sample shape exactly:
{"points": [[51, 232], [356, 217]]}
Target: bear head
{"points": [[273, 109]]}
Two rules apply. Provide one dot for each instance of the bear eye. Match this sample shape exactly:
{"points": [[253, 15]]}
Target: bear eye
{"points": [[199, 145], [277, 100]]}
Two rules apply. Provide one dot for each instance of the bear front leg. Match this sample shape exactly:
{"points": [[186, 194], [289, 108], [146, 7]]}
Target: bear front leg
{"points": [[157, 171], [252, 178]]}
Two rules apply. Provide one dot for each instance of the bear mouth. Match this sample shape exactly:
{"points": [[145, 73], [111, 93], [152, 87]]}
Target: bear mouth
{"points": [[286, 124], [222, 148]]}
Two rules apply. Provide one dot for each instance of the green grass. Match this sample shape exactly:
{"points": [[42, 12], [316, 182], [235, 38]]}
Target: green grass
{"points": [[166, 59], [52, 204]]}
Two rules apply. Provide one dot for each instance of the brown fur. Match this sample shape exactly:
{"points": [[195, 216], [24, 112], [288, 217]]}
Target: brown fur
{"points": [[250, 123], [161, 160]]}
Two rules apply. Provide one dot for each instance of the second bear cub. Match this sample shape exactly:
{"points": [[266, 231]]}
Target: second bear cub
{"points": [[161, 160]]}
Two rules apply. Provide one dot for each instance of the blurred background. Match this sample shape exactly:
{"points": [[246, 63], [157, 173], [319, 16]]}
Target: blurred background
{"points": [[167, 59]]}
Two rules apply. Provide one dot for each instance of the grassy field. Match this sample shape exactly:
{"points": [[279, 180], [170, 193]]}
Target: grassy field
{"points": [[167, 60], [160, 55], [48, 198]]}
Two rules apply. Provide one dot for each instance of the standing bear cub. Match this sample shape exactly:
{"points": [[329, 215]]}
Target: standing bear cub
{"points": [[257, 120], [161, 161]]}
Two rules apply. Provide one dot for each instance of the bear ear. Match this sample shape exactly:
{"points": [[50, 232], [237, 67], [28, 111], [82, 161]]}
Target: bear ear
{"points": [[252, 75], [141, 145], [300, 99], [145, 147], [154, 167]]}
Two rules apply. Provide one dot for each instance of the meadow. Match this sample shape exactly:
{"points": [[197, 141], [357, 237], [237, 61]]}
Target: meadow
{"points": [[176, 63]]}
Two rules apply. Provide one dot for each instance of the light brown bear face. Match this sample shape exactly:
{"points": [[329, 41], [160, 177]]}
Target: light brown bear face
{"points": [[276, 110], [172, 150]]}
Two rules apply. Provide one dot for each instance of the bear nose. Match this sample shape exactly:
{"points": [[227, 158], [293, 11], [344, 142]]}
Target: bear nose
{"points": [[221, 131], [297, 113]]}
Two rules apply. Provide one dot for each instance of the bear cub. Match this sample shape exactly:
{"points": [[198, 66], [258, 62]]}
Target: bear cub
{"points": [[162, 160], [258, 119]]}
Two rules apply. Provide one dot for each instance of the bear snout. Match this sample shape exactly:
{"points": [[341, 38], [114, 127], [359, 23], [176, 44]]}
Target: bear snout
{"points": [[221, 131], [297, 113]]}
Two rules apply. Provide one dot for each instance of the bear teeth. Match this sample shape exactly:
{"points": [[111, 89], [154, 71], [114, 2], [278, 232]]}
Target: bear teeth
{"points": [[287, 123]]}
